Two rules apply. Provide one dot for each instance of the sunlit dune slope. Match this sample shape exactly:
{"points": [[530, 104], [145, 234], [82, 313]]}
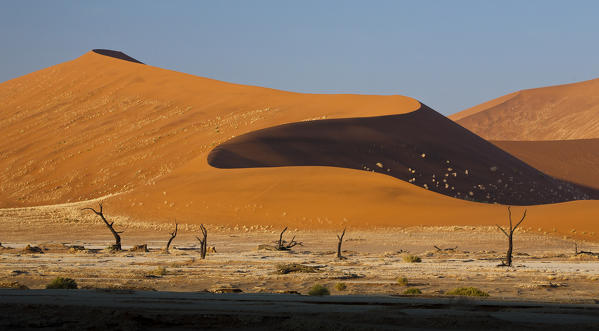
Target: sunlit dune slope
{"points": [[421, 147], [99, 125], [576, 161], [327, 198], [551, 113]]}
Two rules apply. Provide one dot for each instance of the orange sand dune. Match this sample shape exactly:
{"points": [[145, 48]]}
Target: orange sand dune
{"points": [[99, 125], [576, 161], [551, 113]]}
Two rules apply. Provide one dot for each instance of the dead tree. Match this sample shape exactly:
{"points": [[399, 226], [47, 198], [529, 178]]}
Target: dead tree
{"points": [[283, 245], [340, 238], [117, 237], [510, 237], [450, 249], [577, 252], [173, 235], [203, 241]]}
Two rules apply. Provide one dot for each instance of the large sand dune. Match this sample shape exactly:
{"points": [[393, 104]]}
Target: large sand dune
{"points": [[99, 125], [561, 112]]}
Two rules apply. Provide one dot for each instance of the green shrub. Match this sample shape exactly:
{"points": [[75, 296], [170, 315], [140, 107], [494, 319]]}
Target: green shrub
{"points": [[403, 281], [319, 290], [411, 259], [412, 291], [340, 286], [62, 283], [468, 291]]}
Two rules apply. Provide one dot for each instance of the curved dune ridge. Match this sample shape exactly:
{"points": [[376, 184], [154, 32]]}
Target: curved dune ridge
{"points": [[421, 147], [560, 112], [98, 125]]}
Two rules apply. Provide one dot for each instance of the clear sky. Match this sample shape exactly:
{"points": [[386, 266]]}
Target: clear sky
{"points": [[448, 54]]}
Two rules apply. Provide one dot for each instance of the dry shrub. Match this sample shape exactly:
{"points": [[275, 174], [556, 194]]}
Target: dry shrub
{"points": [[468, 291], [319, 290]]}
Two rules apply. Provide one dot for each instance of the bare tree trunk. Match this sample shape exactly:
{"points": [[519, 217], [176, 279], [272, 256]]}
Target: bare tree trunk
{"points": [[339, 244], [203, 241], [115, 234], [510, 236], [508, 257], [283, 245], [280, 244], [173, 235]]}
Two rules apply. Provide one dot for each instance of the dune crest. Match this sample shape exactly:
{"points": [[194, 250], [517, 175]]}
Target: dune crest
{"points": [[116, 54], [423, 148]]}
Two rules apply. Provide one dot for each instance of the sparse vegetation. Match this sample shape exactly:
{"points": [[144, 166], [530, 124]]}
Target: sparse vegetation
{"points": [[468, 291], [283, 245], [160, 271], [14, 285], [319, 290], [412, 258], [510, 237], [203, 241], [403, 281], [32, 249], [62, 283], [140, 248], [173, 235], [412, 291], [295, 267], [340, 238], [115, 234], [340, 286]]}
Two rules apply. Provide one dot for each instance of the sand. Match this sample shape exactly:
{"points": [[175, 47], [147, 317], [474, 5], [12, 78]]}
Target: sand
{"points": [[561, 112], [545, 266], [576, 161], [99, 126]]}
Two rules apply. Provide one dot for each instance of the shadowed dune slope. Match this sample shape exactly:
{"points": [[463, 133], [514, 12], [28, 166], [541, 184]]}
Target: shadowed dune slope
{"points": [[422, 147], [576, 161], [116, 54], [560, 112]]}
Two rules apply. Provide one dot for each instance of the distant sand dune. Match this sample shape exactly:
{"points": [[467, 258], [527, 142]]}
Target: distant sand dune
{"points": [[560, 112], [576, 161]]}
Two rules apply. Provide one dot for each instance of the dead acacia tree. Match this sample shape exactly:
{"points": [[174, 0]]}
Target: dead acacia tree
{"points": [[203, 241], [115, 234], [510, 236], [449, 249], [173, 235], [283, 245], [340, 238], [581, 252]]}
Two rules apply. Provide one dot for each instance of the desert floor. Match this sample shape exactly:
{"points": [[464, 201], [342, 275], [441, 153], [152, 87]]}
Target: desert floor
{"points": [[546, 268]]}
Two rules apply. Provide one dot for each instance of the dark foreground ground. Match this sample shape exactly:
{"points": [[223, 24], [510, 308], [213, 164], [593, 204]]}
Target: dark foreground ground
{"points": [[139, 310]]}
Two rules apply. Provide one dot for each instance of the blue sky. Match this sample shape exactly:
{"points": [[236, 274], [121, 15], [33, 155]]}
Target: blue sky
{"points": [[448, 54]]}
